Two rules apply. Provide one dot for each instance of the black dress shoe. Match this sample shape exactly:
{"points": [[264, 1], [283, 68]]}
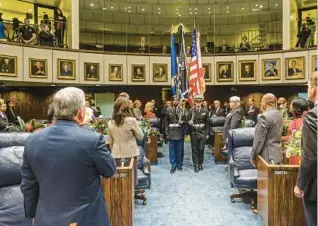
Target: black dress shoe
{"points": [[180, 168], [196, 169], [173, 169], [201, 167]]}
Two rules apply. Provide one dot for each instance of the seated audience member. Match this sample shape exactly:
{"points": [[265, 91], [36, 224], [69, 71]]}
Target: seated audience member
{"points": [[227, 108], [4, 122], [12, 118], [306, 185], [137, 109], [148, 110], [298, 108], [61, 181], [268, 133], [45, 37], [245, 45], [26, 32], [233, 119], [123, 94], [205, 105], [252, 111], [155, 110], [123, 131], [282, 107], [131, 109], [218, 110]]}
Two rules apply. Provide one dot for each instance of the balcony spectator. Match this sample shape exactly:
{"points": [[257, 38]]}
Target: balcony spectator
{"points": [[26, 32], [45, 36], [60, 27], [245, 45], [303, 36], [3, 36], [312, 26]]}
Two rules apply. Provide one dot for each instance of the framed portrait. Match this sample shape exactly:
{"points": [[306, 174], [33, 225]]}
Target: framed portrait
{"points": [[247, 70], [225, 71], [8, 66], [159, 72], [206, 70], [91, 71], [271, 69], [138, 73], [115, 72], [295, 68], [314, 63], [66, 69], [37, 68]]}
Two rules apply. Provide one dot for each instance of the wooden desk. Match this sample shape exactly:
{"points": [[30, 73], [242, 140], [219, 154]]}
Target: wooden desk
{"points": [[119, 193], [152, 148], [218, 144], [276, 203]]}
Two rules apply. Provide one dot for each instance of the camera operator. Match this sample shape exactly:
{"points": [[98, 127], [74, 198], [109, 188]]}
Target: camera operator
{"points": [[3, 36], [45, 36], [303, 36], [311, 39], [26, 32]]}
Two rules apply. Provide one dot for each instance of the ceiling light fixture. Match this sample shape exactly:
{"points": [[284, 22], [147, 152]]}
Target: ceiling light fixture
{"points": [[276, 5], [196, 9], [129, 7], [111, 7], [191, 13], [256, 5], [209, 8], [179, 14], [0, 3], [227, 11], [143, 9], [159, 12], [195, 13], [104, 8], [125, 8], [177, 9], [92, 4], [253, 9], [190, 9], [209, 12], [128, 11], [261, 6], [158, 8], [227, 7], [242, 8]]}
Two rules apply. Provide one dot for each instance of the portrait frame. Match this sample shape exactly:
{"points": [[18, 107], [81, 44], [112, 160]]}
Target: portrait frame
{"points": [[86, 66], [14, 73], [314, 59], [155, 68], [254, 69], [32, 62], [300, 61], [111, 67], [60, 63], [207, 67], [277, 67], [134, 68], [230, 67]]}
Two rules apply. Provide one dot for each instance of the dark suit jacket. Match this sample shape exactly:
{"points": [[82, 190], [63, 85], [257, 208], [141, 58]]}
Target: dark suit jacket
{"points": [[232, 121], [4, 122], [267, 136], [12, 118], [61, 176], [219, 112], [307, 174], [252, 114], [227, 110]]}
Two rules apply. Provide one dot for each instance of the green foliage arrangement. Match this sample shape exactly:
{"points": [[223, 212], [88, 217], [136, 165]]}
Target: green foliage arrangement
{"points": [[293, 148]]}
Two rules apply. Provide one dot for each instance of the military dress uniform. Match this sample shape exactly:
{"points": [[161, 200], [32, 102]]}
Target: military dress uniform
{"points": [[199, 122], [174, 128]]}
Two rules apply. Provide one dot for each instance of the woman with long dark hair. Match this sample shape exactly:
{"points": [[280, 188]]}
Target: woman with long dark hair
{"points": [[298, 108], [123, 131], [60, 27]]}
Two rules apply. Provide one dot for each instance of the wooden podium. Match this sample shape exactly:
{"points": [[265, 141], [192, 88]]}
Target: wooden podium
{"points": [[218, 144], [152, 148], [276, 203], [119, 192]]}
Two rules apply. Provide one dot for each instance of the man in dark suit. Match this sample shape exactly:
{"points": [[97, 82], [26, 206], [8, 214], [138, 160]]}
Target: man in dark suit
{"points": [[62, 168], [306, 185], [219, 112], [293, 70], [268, 132], [233, 119], [252, 111], [4, 122]]}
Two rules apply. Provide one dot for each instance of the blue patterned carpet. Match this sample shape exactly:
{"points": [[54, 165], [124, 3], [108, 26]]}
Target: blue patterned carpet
{"points": [[189, 199]]}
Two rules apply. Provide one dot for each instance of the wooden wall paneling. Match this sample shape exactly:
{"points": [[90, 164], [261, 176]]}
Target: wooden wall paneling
{"points": [[15, 51], [91, 58], [292, 55], [160, 60], [41, 54], [234, 72], [260, 68], [210, 60], [240, 58], [115, 59], [66, 55], [138, 60]]}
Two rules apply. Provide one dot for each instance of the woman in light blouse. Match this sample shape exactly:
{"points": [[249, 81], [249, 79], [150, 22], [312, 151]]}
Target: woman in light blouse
{"points": [[137, 109], [123, 131], [149, 110]]}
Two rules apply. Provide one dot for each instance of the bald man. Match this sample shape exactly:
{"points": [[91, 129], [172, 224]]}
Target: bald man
{"points": [[268, 132]]}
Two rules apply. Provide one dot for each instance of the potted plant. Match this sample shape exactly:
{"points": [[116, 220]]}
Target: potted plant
{"points": [[293, 148]]}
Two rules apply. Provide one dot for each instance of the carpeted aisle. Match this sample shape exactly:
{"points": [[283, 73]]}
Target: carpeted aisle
{"points": [[189, 199]]}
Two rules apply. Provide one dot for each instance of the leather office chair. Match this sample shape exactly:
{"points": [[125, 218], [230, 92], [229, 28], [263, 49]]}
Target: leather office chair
{"points": [[11, 201], [216, 124], [242, 174]]}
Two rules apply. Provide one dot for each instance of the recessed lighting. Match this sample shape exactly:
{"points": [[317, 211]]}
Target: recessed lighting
{"points": [[92, 4], [209, 12], [253, 9], [129, 7], [195, 9], [104, 8], [179, 14], [177, 9], [195, 13], [227, 11], [256, 5], [143, 9], [261, 6], [159, 12], [191, 13], [227, 7], [0, 4], [276, 5], [125, 8], [190, 9], [128, 11], [242, 8], [209, 8], [30, 10], [158, 8], [111, 7]]}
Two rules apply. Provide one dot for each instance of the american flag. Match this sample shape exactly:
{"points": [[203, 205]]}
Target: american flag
{"points": [[196, 81]]}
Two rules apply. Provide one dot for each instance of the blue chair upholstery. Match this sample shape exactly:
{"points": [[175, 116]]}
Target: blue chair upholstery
{"points": [[243, 174], [11, 201]]}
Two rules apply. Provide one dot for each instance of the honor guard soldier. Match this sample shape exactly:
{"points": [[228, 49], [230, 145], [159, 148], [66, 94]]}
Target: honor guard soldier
{"points": [[199, 122], [175, 119]]}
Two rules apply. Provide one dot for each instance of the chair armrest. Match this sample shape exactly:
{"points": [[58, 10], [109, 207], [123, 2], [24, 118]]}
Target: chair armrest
{"points": [[233, 165]]}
